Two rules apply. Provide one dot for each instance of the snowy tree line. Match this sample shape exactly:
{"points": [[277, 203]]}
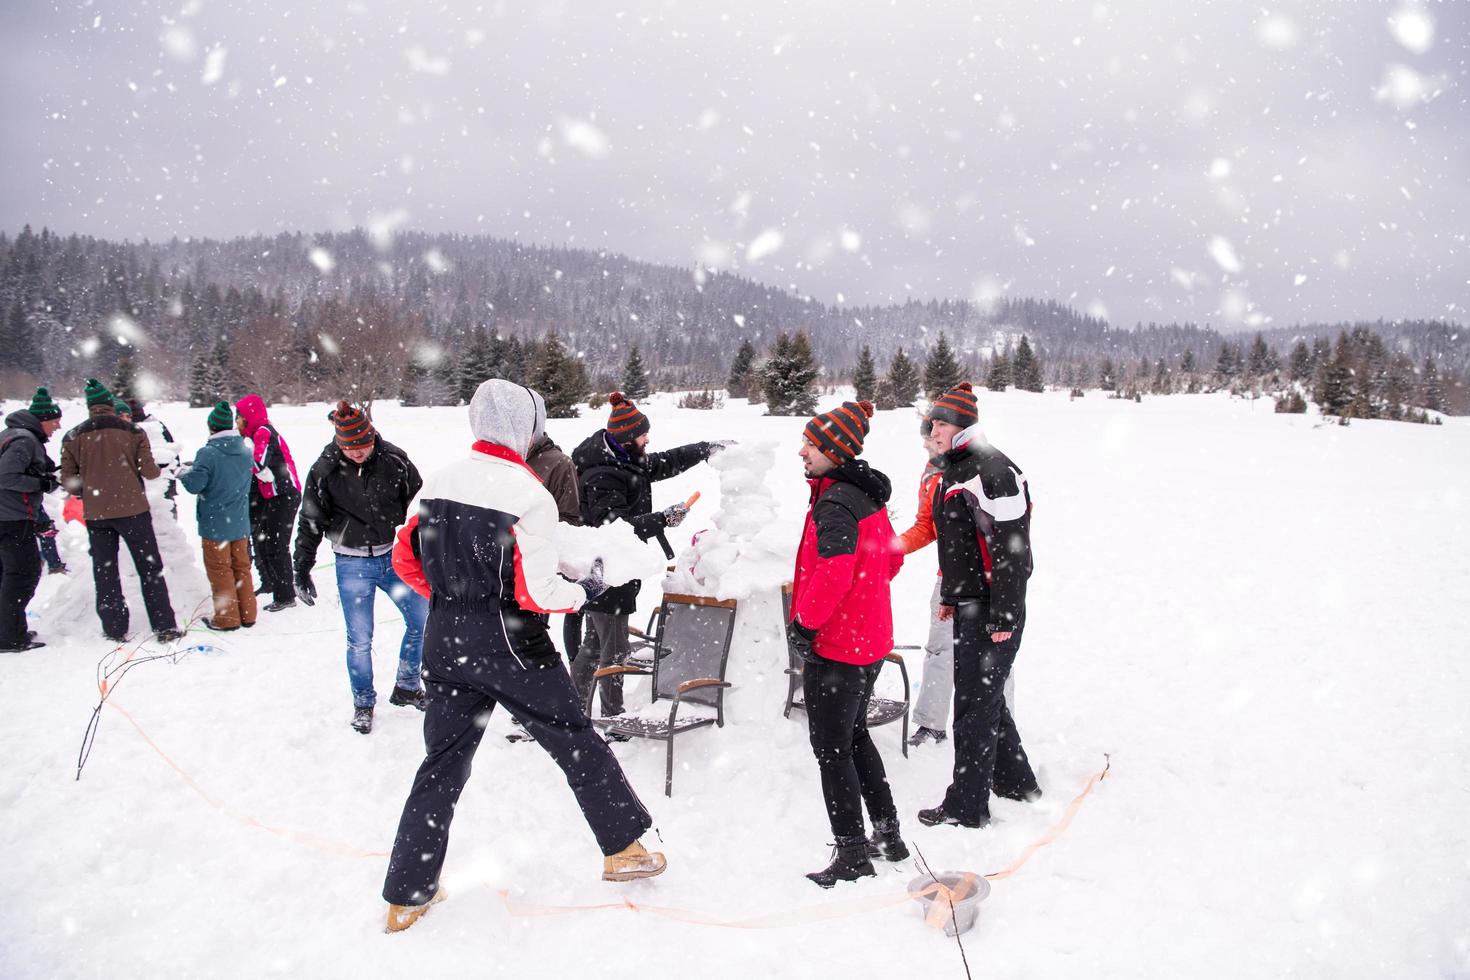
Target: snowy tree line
{"points": [[304, 317]]}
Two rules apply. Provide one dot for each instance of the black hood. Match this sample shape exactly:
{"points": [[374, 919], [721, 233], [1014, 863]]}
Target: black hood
{"points": [[23, 419], [594, 451], [870, 481]]}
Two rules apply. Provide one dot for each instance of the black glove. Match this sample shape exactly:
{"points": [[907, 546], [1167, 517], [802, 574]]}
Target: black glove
{"points": [[674, 515], [800, 638], [305, 587], [719, 444], [592, 582]]}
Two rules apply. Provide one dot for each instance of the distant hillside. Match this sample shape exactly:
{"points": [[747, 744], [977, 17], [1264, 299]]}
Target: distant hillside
{"points": [[61, 298]]}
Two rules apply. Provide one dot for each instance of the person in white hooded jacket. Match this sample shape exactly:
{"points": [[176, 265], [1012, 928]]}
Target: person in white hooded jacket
{"points": [[479, 544]]}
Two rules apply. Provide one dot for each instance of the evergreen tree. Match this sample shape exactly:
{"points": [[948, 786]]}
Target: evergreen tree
{"points": [[743, 381], [1107, 375], [1433, 385], [1335, 394], [635, 376], [789, 377], [124, 381], [883, 397], [519, 357], [559, 376], [941, 370], [476, 365], [1227, 365], [1027, 367], [18, 346], [904, 377], [1000, 372], [201, 391], [1300, 368], [1162, 383], [1258, 363], [865, 376]]}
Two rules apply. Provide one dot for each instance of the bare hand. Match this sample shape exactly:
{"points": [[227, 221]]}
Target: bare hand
{"points": [[1000, 637], [946, 613]]}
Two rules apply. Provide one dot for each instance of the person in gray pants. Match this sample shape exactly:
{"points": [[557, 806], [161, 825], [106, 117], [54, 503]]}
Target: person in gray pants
{"points": [[936, 690]]}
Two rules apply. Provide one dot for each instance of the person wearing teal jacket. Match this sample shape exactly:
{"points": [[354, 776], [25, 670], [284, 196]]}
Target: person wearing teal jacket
{"points": [[220, 475]]}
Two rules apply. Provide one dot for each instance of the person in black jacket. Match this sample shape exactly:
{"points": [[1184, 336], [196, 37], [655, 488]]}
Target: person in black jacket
{"points": [[357, 494], [26, 475], [982, 513], [615, 474]]}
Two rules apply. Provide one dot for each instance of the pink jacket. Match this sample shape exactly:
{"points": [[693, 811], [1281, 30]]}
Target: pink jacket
{"points": [[274, 467]]}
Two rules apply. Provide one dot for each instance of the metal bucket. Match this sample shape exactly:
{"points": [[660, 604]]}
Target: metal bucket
{"points": [[963, 891]]}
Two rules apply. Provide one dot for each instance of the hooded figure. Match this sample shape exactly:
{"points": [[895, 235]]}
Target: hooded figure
{"points": [[26, 475], [480, 547], [275, 494]]}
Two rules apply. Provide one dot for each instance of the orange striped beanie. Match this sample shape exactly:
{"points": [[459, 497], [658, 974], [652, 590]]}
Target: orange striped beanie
{"points": [[956, 406], [625, 423], [839, 433]]}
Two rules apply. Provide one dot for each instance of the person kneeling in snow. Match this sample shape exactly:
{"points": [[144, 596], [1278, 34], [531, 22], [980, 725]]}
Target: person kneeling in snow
{"points": [[842, 625], [616, 473], [480, 548], [356, 494], [982, 512]]}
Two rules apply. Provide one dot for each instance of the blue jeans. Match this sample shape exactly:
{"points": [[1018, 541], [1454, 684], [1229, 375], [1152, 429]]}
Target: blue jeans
{"points": [[358, 580]]}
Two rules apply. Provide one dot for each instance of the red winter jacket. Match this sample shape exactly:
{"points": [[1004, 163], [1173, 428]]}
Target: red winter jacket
{"points": [[847, 557]]}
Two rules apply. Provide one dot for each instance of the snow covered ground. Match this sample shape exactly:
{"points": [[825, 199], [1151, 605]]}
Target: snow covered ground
{"points": [[1262, 620]]}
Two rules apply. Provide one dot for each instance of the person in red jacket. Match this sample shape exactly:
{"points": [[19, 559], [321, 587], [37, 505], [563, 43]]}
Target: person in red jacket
{"points": [[842, 626]]}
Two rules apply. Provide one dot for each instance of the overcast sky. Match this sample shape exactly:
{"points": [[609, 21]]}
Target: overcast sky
{"points": [[1218, 162]]}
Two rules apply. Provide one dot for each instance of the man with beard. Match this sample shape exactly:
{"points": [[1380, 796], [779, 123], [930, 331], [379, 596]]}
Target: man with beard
{"points": [[616, 473], [842, 626]]}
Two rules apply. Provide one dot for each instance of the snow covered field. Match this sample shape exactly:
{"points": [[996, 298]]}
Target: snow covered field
{"points": [[1263, 621]]}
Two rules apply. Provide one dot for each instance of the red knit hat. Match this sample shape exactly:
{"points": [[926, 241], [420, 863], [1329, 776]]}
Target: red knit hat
{"points": [[625, 423], [354, 429], [839, 433], [957, 406]]}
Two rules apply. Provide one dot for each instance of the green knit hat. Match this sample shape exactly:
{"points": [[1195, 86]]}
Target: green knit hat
{"points": [[97, 393], [221, 417], [42, 407], [122, 407]]}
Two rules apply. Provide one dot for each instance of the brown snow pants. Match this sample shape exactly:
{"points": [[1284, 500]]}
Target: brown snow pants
{"points": [[228, 565]]}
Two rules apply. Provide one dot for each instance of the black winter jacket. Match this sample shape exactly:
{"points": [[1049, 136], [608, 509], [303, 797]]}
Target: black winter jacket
{"points": [[355, 506], [26, 472], [615, 486], [982, 513]]}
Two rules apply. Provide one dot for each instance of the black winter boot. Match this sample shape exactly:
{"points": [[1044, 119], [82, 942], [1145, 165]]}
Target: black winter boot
{"points": [[849, 863], [401, 696], [885, 843], [362, 720], [939, 815]]}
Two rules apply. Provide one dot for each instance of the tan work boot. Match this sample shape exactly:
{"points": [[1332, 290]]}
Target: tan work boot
{"points": [[632, 862], [400, 917]]}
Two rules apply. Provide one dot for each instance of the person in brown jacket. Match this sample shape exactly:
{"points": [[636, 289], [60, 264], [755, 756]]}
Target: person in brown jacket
{"points": [[104, 461]]}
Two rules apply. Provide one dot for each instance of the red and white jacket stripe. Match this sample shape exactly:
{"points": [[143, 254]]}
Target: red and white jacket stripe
{"points": [[482, 533]]}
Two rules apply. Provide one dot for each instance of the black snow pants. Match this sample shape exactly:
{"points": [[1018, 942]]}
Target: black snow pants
{"points": [[270, 529], [837, 696], [469, 668], [987, 748], [20, 570], [112, 608]]}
